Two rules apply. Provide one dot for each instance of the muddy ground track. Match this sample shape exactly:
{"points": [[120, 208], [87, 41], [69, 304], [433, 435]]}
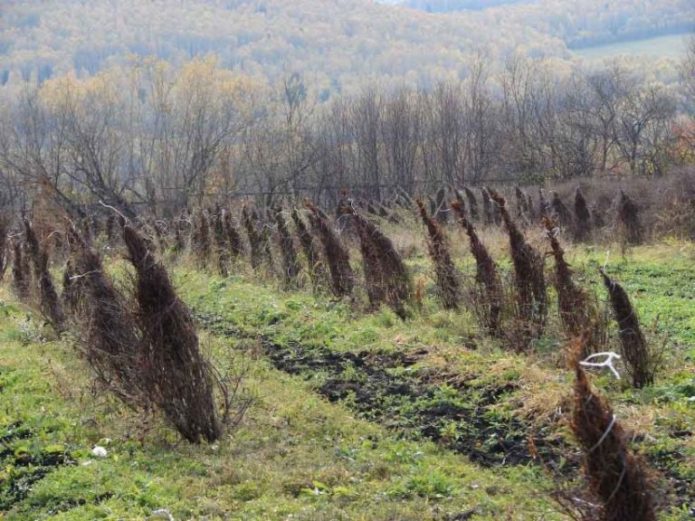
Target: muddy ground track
{"points": [[379, 387]]}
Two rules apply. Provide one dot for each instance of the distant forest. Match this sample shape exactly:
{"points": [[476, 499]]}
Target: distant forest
{"points": [[337, 46]]}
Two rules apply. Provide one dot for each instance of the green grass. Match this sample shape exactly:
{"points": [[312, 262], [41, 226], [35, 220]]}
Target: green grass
{"points": [[298, 456]]}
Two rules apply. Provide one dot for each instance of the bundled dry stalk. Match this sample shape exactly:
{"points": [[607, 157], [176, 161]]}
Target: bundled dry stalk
{"points": [[4, 230], [640, 362], [335, 253], [528, 270], [236, 245], [561, 213], [487, 208], [448, 277], [179, 378], [385, 273], [200, 239], [628, 218], [617, 478], [49, 303], [582, 218], [472, 204], [442, 211], [110, 338], [21, 276], [486, 274], [221, 249], [290, 263], [255, 239], [521, 204], [575, 315], [317, 270]]}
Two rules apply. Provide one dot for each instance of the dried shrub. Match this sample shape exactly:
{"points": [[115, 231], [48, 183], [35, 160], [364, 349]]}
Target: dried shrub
{"points": [[617, 478], [385, 273], [442, 212], [109, 335], [582, 218], [521, 204], [448, 277], [573, 302], [290, 263], [629, 221], [317, 270], [640, 361], [335, 253], [4, 256], [560, 212], [200, 238], [179, 379], [21, 275], [236, 244], [255, 239], [487, 208], [543, 205], [221, 247], [472, 204], [49, 303], [109, 228], [528, 270], [486, 276]]}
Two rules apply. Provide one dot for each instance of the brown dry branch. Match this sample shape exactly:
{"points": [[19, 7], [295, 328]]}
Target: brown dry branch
{"points": [[109, 335], [487, 275], [255, 239], [573, 302], [640, 361], [180, 380], [236, 244], [448, 277], [385, 273], [335, 253], [290, 263], [528, 270], [617, 478], [4, 250], [221, 248], [582, 218], [629, 221], [317, 271], [472, 204], [21, 275], [200, 239], [487, 208], [49, 303], [561, 213]]}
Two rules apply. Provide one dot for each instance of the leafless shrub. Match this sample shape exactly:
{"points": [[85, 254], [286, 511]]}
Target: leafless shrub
{"points": [[386, 276], [472, 204], [335, 253], [49, 303], [290, 263], [448, 277], [179, 378], [629, 221], [442, 210], [200, 238], [561, 213], [487, 208], [317, 270], [21, 274], [109, 336], [255, 239], [486, 275], [221, 247], [522, 212], [528, 269], [236, 244], [641, 362], [582, 218], [4, 231], [617, 478]]}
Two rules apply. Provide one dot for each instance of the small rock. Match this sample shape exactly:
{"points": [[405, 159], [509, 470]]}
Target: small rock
{"points": [[99, 451]]}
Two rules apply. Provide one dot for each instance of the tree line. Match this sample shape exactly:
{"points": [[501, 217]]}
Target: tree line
{"points": [[164, 138]]}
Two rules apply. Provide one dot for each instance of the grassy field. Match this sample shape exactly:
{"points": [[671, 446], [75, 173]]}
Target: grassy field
{"points": [[354, 415]]}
